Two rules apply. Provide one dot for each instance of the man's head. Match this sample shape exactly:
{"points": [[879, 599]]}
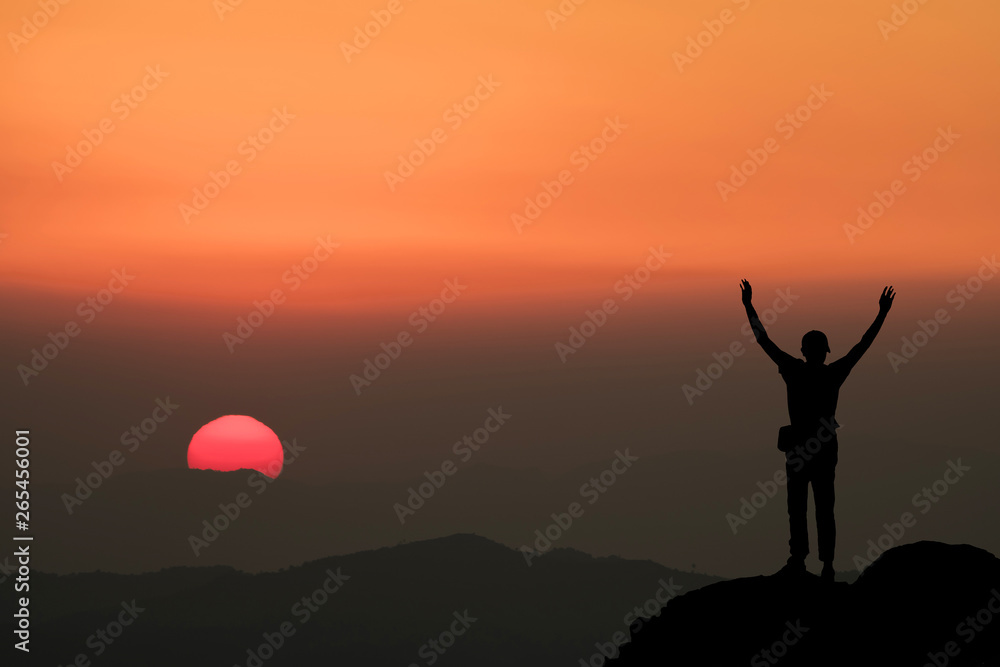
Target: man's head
{"points": [[815, 347]]}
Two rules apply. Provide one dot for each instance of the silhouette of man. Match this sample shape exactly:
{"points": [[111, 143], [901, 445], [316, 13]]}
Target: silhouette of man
{"points": [[813, 389]]}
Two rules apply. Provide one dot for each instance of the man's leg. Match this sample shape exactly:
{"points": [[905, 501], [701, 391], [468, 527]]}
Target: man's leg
{"points": [[798, 497], [826, 526]]}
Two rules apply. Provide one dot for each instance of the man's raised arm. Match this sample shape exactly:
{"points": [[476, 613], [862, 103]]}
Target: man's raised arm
{"points": [[777, 355], [884, 304]]}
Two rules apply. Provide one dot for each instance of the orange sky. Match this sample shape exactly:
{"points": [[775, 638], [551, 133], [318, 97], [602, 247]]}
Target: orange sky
{"points": [[610, 71], [324, 172]]}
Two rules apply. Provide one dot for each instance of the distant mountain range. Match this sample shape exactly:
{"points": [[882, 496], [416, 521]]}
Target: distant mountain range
{"points": [[249, 579], [465, 600], [458, 600]]}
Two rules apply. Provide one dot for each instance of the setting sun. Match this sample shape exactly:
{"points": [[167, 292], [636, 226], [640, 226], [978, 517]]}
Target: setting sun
{"points": [[235, 442]]}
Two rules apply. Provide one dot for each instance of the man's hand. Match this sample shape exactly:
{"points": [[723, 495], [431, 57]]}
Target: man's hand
{"points": [[885, 301], [884, 304], [759, 333], [746, 292]]}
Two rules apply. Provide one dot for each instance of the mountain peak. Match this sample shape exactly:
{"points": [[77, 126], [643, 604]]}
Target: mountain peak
{"points": [[915, 603]]}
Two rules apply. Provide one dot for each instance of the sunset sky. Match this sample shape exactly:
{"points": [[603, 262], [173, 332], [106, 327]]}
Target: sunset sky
{"points": [[309, 128], [656, 184]]}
